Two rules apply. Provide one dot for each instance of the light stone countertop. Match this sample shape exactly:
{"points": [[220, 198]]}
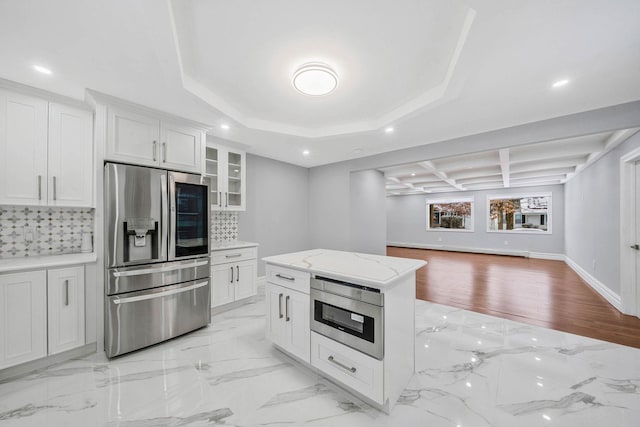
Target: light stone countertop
{"points": [[233, 244], [45, 261], [373, 270]]}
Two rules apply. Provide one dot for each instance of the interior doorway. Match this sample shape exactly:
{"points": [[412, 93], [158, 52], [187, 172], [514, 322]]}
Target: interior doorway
{"points": [[630, 232]]}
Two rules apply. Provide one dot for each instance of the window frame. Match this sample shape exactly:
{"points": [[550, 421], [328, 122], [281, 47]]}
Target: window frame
{"points": [[524, 195], [432, 201]]}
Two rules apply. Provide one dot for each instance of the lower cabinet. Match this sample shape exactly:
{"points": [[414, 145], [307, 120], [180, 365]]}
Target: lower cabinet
{"points": [[23, 317], [236, 280], [37, 307], [65, 303], [288, 319]]}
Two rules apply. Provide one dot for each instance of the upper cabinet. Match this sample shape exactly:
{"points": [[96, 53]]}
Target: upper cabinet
{"points": [[144, 140], [226, 169], [46, 152]]}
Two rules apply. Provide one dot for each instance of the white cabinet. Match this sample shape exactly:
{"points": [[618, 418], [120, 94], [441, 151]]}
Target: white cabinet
{"points": [[233, 275], [288, 320], [148, 141], [23, 317], [226, 169], [65, 305], [70, 165], [41, 313], [46, 152]]}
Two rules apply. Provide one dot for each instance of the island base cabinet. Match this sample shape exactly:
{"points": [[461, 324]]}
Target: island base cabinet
{"points": [[23, 318], [356, 370], [65, 308], [288, 320]]}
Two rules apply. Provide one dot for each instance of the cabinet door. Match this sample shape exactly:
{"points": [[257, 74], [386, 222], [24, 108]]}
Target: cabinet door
{"points": [[23, 149], [65, 306], [235, 192], [275, 324], [214, 171], [245, 279], [70, 180], [297, 312], [23, 317], [221, 286], [181, 148], [133, 138]]}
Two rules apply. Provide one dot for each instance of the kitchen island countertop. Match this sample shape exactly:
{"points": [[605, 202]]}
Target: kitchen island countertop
{"points": [[377, 271]]}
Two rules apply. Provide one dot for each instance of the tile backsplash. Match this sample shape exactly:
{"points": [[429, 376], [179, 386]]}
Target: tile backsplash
{"points": [[48, 230], [224, 226]]}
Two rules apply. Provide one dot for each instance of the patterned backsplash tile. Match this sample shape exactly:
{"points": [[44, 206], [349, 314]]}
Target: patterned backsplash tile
{"points": [[40, 230], [224, 226]]}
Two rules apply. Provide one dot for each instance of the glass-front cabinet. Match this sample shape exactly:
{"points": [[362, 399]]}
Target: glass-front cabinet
{"points": [[226, 170]]}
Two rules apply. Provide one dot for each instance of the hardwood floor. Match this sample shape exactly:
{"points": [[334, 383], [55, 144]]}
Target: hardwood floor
{"points": [[539, 292]]}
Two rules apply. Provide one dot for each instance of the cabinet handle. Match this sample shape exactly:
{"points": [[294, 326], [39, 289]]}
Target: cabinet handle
{"points": [[237, 273], [351, 369], [155, 149], [39, 187], [231, 274], [286, 307], [280, 306], [164, 152], [233, 255], [66, 292], [291, 279], [226, 196], [54, 188], [219, 198]]}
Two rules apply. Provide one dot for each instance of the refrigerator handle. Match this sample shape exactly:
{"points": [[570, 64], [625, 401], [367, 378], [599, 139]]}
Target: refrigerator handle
{"points": [[165, 220]]}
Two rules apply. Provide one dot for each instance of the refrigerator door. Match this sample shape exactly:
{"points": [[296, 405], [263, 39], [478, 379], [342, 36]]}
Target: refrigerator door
{"points": [[135, 215], [189, 216]]}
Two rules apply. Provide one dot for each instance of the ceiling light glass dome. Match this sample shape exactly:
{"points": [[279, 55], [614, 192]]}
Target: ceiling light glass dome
{"points": [[315, 79]]}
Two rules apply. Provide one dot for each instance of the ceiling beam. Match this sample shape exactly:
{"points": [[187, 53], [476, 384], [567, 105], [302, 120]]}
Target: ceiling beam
{"points": [[504, 166], [443, 176]]}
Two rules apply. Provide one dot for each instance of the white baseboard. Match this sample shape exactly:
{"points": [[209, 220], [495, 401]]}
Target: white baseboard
{"points": [[459, 249], [613, 298], [547, 255]]}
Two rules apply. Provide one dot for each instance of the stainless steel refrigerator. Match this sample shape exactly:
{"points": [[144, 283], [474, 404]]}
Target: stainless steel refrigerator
{"points": [[156, 256]]}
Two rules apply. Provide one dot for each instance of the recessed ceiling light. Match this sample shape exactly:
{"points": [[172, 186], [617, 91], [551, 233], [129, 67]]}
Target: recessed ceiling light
{"points": [[306, 152], [560, 83], [43, 70], [413, 174], [389, 129], [315, 79], [224, 126]]}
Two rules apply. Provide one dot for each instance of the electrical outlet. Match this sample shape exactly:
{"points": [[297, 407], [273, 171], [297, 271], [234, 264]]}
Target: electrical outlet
{"points": [[439, 239], [28, 234], [506, 242]]}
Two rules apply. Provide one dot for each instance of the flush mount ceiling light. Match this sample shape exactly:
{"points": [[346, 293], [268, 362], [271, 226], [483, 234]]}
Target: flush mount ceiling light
{"points": [[305, 152], [560, 83], [389, 129], [315, 79]]}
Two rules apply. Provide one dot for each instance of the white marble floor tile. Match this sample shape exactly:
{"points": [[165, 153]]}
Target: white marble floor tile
{"points": [[471, 370]]}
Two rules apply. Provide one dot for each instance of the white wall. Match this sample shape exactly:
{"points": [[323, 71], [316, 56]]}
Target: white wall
{"points": [[277, 215], [592, 237], [406, 223], [368, 221]]}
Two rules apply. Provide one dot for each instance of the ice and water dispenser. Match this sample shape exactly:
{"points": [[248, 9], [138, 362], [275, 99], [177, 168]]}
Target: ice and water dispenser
{"points": [[141, 239]]}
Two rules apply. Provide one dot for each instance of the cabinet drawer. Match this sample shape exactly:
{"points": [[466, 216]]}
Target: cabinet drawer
{"points": [[356, 370], [289, 278], [233, 255]]}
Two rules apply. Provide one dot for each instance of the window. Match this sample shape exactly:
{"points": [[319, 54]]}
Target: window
{"points": [[523, 214], [450, 214]]}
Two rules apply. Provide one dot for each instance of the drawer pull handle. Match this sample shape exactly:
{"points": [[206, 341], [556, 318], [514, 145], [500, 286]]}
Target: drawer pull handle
{"points": [[334, 361], [291, 279], [233, 255]]}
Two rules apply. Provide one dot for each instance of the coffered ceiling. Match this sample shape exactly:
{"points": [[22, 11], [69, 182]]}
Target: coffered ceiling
{"points": [[431, 70], [547, 163]]}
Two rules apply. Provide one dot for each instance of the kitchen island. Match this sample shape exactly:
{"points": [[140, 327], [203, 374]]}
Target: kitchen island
{"points": [[348, 316]]}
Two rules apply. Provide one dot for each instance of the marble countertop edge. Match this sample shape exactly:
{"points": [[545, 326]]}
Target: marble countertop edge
{"points": [[45, 261]]}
